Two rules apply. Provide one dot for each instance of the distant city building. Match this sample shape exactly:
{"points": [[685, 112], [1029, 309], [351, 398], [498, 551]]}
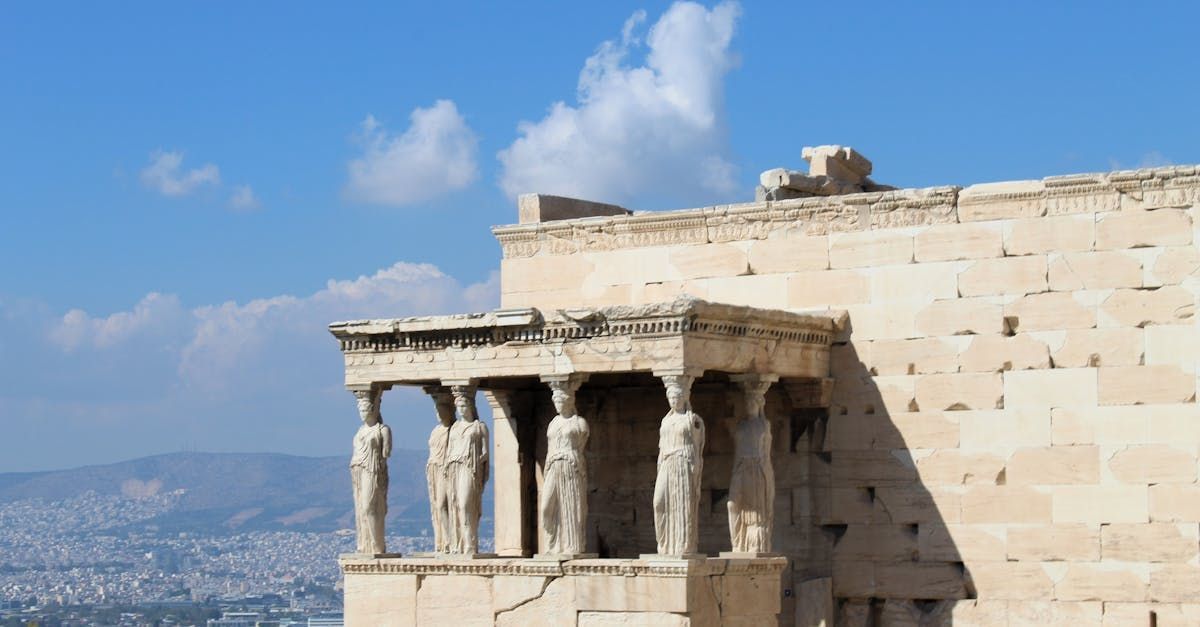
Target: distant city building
{"points": [[326, 620]]}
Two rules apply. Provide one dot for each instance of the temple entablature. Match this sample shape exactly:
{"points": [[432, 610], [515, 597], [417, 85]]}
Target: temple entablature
{"points": [[686, 334]]}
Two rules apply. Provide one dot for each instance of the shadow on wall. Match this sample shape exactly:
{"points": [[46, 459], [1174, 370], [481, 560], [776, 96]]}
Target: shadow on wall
{"points": [[867, 540], [886, 538]]}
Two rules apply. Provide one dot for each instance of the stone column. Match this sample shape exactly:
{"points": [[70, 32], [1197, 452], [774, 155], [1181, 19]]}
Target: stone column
{"points": [[467, 468], [372, 445], [511, 473], [563, 500], [435, 467], [681, 438], [752, 484]]}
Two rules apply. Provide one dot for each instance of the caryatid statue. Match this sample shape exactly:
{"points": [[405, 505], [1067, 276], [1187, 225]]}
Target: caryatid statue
{"points": [[680, 462], [466, 471], [435, 469], [752, 486], [565, 484], [369, 473]]}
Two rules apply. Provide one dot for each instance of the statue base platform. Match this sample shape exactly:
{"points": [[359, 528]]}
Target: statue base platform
{"points": [[736, 555], [660, 557], [446, 556], [468, 590], [564, 557], [351, 556]]}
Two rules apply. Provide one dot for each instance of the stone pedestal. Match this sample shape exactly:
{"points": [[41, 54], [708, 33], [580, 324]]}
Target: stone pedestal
{"points": [[581, 592]]}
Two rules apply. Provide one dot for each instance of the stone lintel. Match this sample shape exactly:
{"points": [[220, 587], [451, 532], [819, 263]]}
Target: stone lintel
{"points": [[575, 379], [754, 377], [533, 208], [685, 336]]}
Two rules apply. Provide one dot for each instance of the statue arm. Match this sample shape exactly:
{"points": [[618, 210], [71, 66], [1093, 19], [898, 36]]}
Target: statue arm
{"points": [[483, 455], [386, 448]]}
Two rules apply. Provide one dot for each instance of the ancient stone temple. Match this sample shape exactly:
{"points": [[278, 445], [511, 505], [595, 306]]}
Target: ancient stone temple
{"points": [[842, 403]]}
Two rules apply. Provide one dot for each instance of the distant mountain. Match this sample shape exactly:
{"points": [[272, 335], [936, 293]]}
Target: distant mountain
{"points": [[238, 492]]}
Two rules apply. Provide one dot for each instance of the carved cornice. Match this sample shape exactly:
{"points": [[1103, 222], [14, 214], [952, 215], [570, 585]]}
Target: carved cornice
{"points": [[1147, 188], [529, 326], [684, 333], [501, 567]]}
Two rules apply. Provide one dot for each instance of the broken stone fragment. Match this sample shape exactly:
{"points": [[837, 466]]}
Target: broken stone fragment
{"points": [[844, 157], [533, 208]]}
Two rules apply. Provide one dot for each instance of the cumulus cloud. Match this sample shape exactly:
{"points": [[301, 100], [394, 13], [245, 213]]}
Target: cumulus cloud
{"points": [[243, 199], [225, 335], [649, 130], [263, 374], [214, 342], [165, 174], [78, 329], [435, 155]]}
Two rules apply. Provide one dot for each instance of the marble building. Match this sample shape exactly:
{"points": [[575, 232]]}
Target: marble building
{"points": [[842, 403]]}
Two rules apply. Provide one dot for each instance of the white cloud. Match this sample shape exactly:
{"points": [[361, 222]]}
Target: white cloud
{"points": [[78, 329], [653, 130], [217, 344], [435, 155], [243, 199], [164, 174], [263, 374]]}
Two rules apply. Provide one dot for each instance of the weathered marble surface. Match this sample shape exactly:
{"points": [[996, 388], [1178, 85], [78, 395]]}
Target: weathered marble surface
{"points": [[369, 473], [588, 592], [680, 465], [466, 471], [752, 486], [436, 468], [564, 502]]}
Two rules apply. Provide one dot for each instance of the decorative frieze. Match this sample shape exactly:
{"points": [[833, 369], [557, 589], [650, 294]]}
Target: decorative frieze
{"points": [[1056, 195], [686, 332]]}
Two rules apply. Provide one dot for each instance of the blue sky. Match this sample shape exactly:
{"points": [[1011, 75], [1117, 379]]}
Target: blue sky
{"points": [[188, 192]]}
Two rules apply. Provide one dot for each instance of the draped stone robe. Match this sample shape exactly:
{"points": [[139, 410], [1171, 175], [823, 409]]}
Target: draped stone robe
{"points": [[466, 472], [369, 479], [752, 489], [435, 475], [564, 487], [677, 487]]}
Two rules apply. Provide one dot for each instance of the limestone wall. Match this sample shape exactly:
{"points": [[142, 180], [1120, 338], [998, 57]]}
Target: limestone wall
{"points": [[1014, 433]]}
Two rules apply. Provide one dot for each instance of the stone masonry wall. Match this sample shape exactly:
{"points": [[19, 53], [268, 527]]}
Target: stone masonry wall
{"points": [[1014, 432]]}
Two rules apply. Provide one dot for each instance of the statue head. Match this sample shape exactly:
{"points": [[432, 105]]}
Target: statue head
{"points": [[754, 391], [368, 406], [756, 402], [464, 401], [563, 398], [679, 392]]}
